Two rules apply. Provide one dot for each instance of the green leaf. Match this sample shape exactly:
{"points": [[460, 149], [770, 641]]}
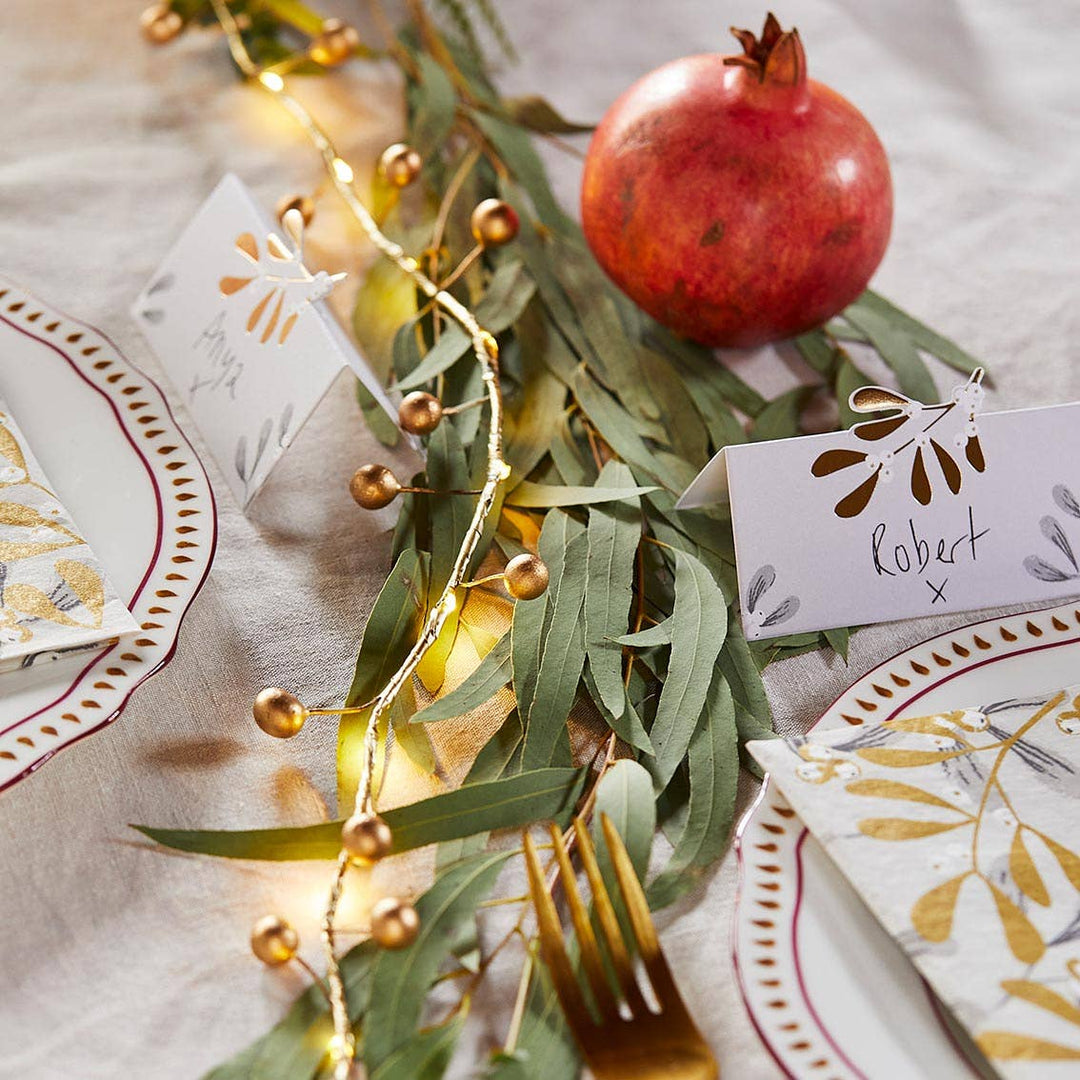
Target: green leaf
{"points": [[563, 546], [489, 677], [391, 630], [698, 626], [627, 723], [649, 638], [385, 300], [401, 978], [517, 152], [540, 795], [295, 1047], [425, 1056], [379, 424], [447, 470], [613, 537], [508, 292], [625, 794], [947, 351], [839, 639], [537, 114], [530, 495], [432, 105], [780, 418], [714, 778], [545, 1049]]}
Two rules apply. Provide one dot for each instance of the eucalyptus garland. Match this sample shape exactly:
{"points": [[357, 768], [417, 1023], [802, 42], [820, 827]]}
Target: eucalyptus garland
{"points": [[608, 418]]}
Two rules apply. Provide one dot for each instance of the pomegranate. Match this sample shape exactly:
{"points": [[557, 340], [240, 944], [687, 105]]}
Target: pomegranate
{"points": [[734, 199]]}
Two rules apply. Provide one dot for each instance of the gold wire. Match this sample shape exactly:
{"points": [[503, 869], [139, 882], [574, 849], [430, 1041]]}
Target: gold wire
{"points": [[486, 351]]}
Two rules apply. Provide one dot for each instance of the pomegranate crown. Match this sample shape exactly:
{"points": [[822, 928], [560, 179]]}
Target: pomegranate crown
{"points": [[776, 57]]}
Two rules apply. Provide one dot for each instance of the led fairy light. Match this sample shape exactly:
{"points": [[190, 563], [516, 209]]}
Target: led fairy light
{"points": [[366, 838]]}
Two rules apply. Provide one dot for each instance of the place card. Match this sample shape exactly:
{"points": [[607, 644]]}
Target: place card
{"points": [[240, 326], [54, 596], [959, 831], [928, 509]]}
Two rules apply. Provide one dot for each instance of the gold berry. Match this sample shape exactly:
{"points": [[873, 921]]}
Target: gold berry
{"points": [[374, 486], [160, 24], [273, 940], [278, 712], [494, 223], [399, 165], [304, 203], [420, 412], [526, 576], [367, 838], [337, 41], [394, 923]]}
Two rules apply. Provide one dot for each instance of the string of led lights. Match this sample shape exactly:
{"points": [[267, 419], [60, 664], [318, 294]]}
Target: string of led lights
{"points": [[486, 351]]}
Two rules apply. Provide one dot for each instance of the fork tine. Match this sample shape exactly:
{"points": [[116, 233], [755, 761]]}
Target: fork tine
{"points": [[609, 924], [553, 949], [637, 907], [590, 953]]}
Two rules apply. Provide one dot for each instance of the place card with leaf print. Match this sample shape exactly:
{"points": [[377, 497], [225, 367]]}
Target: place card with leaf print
{"points": [[239, 323], [961, 832], [916, 510], [54, 596]]}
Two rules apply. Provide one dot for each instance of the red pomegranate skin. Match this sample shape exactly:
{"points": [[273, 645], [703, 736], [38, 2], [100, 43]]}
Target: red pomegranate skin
{"points": [[737, 201]]}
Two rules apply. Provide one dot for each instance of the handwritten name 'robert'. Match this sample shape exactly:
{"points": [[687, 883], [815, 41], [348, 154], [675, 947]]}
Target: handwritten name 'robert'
{"points": [[917, 554]]}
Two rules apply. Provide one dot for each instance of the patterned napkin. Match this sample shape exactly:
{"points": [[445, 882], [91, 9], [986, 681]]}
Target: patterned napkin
{"points": [[54, 596], [961, 831]]}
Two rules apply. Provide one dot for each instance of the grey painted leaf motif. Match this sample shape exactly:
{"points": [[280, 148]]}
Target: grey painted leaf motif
{"points": [[1041, 569], [784, 612], [241, 457], [283, 424], [1066, 500], [264, 437], [163, 284], [760, 583], [153, 315], [1053, 532]]}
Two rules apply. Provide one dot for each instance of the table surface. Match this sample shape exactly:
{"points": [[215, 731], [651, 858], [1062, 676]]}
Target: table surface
{"points": [[120, 961]]}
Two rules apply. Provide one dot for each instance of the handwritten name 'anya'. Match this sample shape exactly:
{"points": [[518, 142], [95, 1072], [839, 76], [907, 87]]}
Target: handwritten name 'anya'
{"points": [[921, 556], [224, 367]]}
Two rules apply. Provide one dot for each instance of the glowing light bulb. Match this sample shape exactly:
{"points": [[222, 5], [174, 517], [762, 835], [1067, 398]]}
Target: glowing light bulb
{"points": [[343, 171], [272, 81]]}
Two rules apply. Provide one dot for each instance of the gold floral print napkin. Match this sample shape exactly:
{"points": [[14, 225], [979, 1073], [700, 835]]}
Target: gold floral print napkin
{"points": [[54, 596], [961, 832]]}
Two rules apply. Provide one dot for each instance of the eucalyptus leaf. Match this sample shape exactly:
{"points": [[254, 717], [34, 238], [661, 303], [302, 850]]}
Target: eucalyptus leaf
{"points": [[538, 114], [563, 546], [433, 103], [625, 794], [508, 292], [392, 628], [512, 802], [447, 470], [489, 677], [613, 537], [780, 418], [400, 978], [545, 496], [295, 1047], [649, 638], [698, 627], [425, 1056], [714, 776]]}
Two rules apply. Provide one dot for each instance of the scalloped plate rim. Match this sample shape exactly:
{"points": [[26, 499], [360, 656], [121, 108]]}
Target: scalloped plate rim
{"points": [[929, 649], [7, 286]]}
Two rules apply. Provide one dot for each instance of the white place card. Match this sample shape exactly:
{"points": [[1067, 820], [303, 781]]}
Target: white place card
{"points": [[238, 322], [933, 509], [54, 596]]}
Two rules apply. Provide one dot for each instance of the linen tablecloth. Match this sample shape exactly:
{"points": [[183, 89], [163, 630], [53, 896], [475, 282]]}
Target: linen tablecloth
{"points": [[119, 961]]}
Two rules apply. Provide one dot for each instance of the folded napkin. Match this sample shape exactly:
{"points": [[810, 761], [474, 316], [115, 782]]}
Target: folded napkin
{"points": [[961, 832], [54, 596]]}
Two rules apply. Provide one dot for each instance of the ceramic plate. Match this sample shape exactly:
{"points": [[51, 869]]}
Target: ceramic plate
{"points": [[111, 449], [831, 995]]}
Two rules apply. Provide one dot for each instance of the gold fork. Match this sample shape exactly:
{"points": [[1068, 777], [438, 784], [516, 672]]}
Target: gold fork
{"points": [[626, 1040]]}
